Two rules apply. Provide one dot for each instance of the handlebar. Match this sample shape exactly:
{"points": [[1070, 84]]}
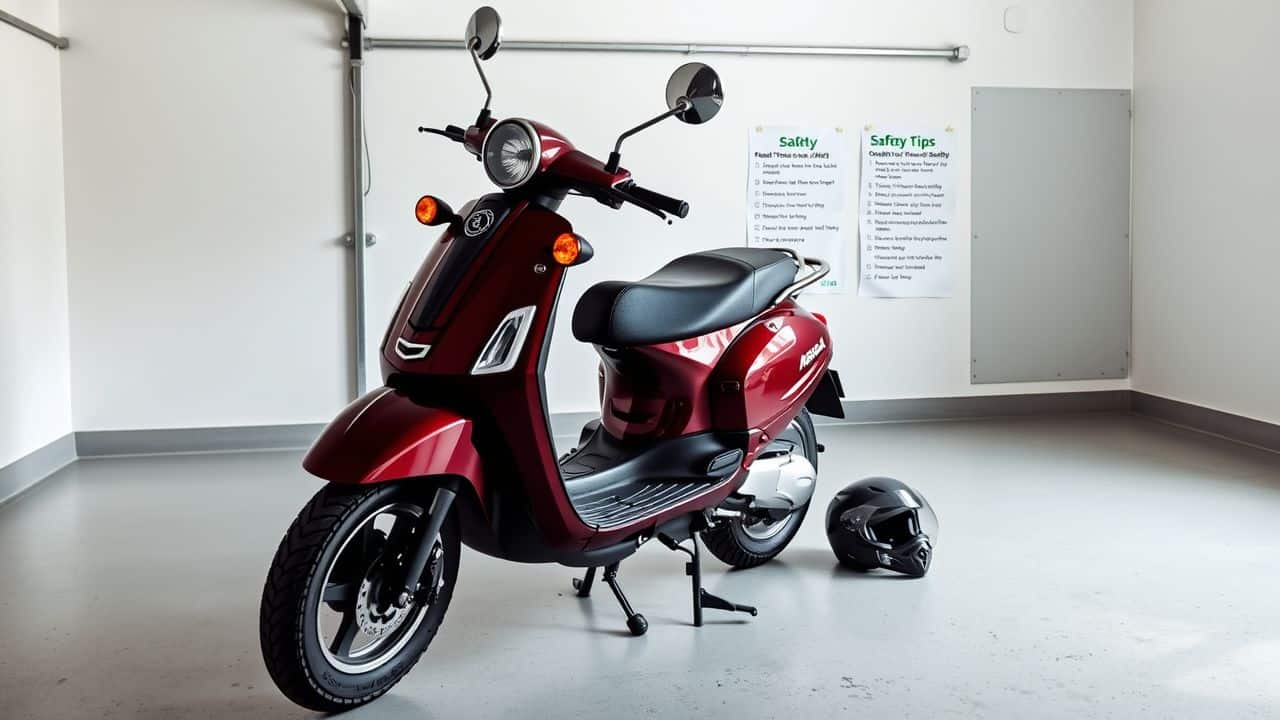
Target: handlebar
{"points": [[654, 202], [676, 207], [594, 183]]}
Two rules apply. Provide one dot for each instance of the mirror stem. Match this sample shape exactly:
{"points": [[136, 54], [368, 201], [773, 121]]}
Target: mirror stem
{"points": [[615, 157], [488, 92]]}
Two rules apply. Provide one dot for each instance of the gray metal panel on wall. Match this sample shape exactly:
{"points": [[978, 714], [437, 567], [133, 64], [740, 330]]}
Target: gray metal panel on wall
{"points": [[1050, 201]]}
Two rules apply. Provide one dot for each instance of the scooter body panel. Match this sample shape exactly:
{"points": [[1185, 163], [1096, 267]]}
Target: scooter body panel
{"points": [[453, 308], [754, 377], [765, 377], [660, 391]]}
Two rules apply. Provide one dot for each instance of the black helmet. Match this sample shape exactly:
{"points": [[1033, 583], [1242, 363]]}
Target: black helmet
{"points": [[880, 522]]}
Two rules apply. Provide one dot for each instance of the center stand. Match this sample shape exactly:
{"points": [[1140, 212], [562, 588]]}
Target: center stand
{"points": [[693, 568], [636, 622]]}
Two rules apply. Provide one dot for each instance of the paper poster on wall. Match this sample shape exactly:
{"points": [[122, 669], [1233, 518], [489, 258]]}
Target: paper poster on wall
{"points": [[796, 194], [907, 205]]}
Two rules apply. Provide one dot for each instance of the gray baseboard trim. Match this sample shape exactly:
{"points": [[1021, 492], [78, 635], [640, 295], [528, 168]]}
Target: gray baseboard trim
{"points": [[1236, 428], [22, 474], [925, 409], [978, 406], [109, 443]]}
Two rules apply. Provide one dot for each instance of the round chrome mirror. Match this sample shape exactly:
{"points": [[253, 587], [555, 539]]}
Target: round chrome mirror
{"points": [[697, 86], [484, 32]]}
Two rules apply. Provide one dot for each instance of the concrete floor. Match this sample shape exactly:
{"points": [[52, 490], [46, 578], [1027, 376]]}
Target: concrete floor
{"points": [[1102, 566]]}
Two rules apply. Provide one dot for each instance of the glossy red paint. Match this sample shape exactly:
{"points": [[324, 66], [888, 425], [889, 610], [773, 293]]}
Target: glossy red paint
{"points": [[748, 377], [657, 391], [385, 436], [514, 270], [768, 373]]}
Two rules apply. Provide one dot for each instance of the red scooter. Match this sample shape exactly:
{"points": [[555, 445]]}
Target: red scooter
{"points": [[708, 372]]}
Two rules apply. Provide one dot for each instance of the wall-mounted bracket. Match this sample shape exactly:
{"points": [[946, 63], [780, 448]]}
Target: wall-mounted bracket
{"points": [[369, 240]]}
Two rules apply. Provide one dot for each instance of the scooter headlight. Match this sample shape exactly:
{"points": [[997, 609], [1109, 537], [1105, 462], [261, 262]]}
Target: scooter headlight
{"points": [[511, 152]]}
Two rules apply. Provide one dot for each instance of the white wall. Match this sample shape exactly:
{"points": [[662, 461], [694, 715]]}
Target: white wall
{"points": [[884, 349], [206, 177], [206, 201], [1206, 245], [35, 394]]}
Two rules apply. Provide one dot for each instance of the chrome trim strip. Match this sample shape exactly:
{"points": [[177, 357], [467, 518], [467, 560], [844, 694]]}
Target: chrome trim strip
{"points": [[411, 350], [525, 316]]}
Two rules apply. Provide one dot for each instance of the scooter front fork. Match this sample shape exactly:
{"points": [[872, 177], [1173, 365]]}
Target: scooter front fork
{"points": [[440, 506]]}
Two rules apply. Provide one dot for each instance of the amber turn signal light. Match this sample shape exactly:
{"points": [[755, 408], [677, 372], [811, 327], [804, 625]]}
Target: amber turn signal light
{"points": [[571, 249], [432, 210], [566, 249]]}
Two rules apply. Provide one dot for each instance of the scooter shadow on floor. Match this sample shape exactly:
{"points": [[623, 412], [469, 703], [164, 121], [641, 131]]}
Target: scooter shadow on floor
{"points": [[271, 704], [601, 616], [391, 705], [818, 559]]}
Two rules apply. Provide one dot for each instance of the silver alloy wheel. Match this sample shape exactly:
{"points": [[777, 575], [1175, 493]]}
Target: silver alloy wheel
{"points": [[381, 646]]}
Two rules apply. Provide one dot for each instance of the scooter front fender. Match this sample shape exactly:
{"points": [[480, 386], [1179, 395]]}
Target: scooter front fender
{"points": [[385, 436]]}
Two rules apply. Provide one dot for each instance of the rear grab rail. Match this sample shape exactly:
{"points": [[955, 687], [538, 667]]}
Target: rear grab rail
{"points": [[818, 270]]}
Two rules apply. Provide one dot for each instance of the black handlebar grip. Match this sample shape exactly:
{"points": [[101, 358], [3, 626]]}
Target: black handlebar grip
{"points": [[679, 208], [453, 132]]}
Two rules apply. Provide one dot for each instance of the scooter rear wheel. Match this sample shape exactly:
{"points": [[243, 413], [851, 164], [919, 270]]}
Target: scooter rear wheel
{"points": [[745, 542], [332, 636]]}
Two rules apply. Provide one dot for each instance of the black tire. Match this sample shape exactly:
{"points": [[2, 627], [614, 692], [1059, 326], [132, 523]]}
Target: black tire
{"points": [[288, 625], [730, 541]]}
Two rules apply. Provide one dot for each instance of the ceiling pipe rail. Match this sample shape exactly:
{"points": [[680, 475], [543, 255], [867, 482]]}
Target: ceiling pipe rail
{"points": [[957, 53], [57, 41]]}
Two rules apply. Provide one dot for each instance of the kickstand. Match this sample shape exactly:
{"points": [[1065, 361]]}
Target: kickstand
{"points": [[583, 584], [636, 622], [702, 598]]}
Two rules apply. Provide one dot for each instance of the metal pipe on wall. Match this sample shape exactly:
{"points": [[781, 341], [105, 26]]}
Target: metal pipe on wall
{"points": [[958, 53], [57, 41], [355, 31]]}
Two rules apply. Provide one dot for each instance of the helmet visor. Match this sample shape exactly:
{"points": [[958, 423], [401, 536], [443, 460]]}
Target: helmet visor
{"points": [[924, 512]]}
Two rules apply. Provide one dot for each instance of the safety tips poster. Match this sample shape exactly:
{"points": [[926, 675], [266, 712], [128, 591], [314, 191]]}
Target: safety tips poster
{"points": [[796, 195], [907, 205]]}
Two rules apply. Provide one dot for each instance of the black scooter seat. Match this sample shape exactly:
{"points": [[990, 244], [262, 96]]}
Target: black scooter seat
{"points": [[689, 296]]}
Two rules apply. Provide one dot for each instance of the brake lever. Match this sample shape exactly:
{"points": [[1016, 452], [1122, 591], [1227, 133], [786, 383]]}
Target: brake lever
{"points": [[453, 132]]}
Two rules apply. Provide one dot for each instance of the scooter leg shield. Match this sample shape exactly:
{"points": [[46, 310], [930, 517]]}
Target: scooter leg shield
{"points": [[386, 436]]}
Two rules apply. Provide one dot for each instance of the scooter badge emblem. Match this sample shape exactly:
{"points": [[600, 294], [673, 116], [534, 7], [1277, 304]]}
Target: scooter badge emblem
{"points": [[812, 353], [478, 222]]}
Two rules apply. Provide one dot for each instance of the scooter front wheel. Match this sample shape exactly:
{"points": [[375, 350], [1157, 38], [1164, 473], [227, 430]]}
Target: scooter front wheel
{"points": [[333, 635]]}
